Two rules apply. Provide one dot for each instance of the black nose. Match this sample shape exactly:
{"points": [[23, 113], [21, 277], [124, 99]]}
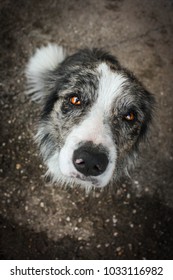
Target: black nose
{"points": [[90, 161]]}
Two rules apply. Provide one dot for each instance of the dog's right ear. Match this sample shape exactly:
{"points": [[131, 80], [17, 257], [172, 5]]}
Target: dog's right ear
{"points": [[39, 71]]}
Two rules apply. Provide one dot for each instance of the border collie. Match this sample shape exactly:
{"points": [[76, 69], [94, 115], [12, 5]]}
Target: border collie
{"points": [[94, 114]]}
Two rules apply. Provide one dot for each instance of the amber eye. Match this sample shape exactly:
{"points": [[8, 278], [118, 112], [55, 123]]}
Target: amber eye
{"points": [[75, 100], [130, 116]]}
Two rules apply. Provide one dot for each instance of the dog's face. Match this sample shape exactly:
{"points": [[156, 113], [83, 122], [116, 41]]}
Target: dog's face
{"points": [[94, 115]]}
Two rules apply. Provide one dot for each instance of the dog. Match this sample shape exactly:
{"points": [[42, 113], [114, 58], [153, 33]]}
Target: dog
{"points": [[94, 115]]}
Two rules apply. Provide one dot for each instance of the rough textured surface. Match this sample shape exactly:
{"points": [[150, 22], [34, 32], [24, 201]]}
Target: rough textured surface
{"points": [[41, 221]]}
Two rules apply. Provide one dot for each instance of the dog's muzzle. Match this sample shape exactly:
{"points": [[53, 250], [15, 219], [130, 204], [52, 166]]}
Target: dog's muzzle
{"points": [[90, 160]]}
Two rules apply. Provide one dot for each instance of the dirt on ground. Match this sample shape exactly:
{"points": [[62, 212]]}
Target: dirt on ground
{"points": [[38, 220]]}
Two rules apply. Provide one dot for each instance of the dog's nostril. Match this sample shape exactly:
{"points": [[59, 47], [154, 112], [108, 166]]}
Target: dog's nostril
{"points": [[80, 162], [90, 161], [97, 168]]}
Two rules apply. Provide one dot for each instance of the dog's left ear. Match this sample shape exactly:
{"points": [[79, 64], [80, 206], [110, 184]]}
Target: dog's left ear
{"points": [[39, 69]]}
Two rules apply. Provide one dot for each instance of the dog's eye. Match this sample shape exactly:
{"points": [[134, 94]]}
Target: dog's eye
{"points": [[75, 100], [130, 117]]}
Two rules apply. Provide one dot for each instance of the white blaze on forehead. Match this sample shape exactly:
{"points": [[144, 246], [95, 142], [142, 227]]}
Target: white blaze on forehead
{"points": [[110, 86]]}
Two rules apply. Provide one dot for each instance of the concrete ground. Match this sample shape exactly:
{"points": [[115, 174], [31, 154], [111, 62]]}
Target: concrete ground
{"points": [[41, 221]]}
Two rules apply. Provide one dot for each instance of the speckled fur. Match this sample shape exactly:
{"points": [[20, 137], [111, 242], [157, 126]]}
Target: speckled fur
{"points": [[108, 92]]}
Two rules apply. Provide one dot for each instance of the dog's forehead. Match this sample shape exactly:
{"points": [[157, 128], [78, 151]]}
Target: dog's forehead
{"points": [[110, 85]]}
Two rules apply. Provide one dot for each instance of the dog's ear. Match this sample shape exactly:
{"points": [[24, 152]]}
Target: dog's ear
{"points": [[39, 71]]}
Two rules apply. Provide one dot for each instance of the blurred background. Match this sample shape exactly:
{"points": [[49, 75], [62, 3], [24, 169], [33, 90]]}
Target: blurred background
{"points": [[41, 221]]}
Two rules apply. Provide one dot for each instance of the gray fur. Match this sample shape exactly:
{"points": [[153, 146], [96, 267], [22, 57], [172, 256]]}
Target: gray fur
{"points": [[78, 75]]}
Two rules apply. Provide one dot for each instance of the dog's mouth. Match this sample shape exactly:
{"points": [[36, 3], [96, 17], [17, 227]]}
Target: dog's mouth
{"points": [[86, 179]]}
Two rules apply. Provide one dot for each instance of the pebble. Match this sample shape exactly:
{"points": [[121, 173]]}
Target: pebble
{"points": [[79, 238], [18, 166], [136, 182], [154, 226], [97, 195], [41, 204], [128, 196], [134, 211], [114, 219], [118, 249]]}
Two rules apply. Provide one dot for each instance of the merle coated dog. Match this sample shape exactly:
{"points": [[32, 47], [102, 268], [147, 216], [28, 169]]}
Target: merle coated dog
{"points": [[95, 113]]}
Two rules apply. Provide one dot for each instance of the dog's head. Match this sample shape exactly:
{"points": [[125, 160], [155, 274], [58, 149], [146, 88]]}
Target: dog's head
{"points": [[94, 115]]}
